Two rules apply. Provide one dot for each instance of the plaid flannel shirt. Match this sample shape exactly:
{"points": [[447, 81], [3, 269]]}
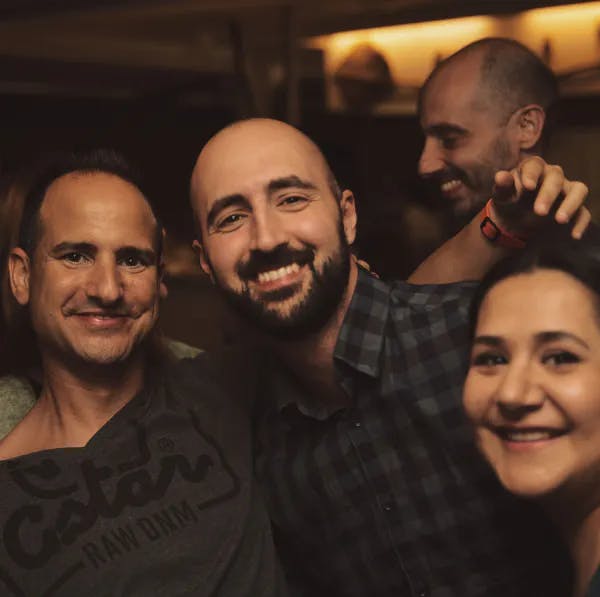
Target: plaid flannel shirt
{"points": [[389, 496]]}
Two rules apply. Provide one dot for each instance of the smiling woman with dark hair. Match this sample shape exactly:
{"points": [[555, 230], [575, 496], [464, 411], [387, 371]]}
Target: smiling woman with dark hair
{"points": [[533, 390]]}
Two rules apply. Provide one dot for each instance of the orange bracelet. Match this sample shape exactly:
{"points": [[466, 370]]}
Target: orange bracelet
{"points": [[496, 235]]}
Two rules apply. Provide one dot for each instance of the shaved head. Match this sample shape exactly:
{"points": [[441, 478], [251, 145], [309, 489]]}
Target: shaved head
{"points": [[481, 110], [247, 135], [509, 76]]}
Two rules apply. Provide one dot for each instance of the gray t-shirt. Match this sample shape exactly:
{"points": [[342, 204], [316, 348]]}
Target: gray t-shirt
{"points": [[17, 395], [160, 502]]}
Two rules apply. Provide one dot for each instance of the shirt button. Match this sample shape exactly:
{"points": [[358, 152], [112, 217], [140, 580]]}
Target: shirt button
{"points": [[357, 424], [388, 507]]}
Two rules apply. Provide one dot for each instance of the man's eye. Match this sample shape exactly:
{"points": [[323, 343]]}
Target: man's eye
{"points": [[562, 357], [132, 261], [75, 258], [488, 359], [230, 222], [293, 201], [449, 142]]}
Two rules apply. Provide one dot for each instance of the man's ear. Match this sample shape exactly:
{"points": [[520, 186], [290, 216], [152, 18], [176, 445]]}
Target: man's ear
{"points": [[199, 250], [163, 291], [530, 124], [348, 210], [19, 275]]}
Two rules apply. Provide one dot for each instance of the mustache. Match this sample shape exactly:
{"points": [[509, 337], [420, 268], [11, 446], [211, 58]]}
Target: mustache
{"points": [[261, 261]]}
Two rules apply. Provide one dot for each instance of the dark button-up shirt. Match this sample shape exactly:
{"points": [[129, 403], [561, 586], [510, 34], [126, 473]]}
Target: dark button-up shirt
{"points": [[388, 496]]}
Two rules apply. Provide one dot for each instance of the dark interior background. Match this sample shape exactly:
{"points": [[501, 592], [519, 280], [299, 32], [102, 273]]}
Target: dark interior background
{"points": [[161, 123]]}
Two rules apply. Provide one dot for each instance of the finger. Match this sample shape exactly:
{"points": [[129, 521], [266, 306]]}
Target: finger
{"points": [[505, 187], [575, 196], [364, 264], [581, 222], [531, 172], [550, 190]]}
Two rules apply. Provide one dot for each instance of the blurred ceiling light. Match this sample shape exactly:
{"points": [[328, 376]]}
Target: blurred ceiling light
{"points": [[562, 16], [418, 41], [568, 33]]}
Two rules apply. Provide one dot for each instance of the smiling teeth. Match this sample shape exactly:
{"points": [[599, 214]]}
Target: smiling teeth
{"points": [[450, 185], [528, 436], [278, 273]]}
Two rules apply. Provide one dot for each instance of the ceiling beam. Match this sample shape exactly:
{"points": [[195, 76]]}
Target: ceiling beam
{"points": [[27, 9], [35, 9], [386, 14]]}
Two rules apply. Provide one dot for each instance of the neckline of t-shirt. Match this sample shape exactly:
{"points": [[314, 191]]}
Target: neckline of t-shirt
{"points": [[136, 409]]}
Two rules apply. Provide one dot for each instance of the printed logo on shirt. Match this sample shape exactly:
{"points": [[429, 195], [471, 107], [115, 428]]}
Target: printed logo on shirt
{"points": [[63, 512]]}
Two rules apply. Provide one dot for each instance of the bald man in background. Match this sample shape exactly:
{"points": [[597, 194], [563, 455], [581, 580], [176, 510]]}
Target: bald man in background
{"points": [[483, 109]]}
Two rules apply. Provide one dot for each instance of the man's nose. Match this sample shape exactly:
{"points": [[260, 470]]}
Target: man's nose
{"points": [[432, 159], [105, 282], [267, 231]]}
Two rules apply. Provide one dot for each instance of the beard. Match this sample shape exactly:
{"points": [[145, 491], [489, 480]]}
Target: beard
{"points": [[478, 179], [311, 312]]}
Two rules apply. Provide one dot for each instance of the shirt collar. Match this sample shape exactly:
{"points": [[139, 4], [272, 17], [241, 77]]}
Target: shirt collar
{"points": [[359, 345], [361, 337]]}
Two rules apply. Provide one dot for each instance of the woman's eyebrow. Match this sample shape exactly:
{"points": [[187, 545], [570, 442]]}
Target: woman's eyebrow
{"points": [[553, 335], [488, 340]]}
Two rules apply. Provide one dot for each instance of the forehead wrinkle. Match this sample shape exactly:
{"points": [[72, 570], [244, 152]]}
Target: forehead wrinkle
{"points": [[87, 215]]}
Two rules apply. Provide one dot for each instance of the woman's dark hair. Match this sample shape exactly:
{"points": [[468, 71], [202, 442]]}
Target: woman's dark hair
{"points": [[580, 259]]}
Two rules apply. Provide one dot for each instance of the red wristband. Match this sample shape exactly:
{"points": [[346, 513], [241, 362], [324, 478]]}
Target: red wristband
{"points": [[496, 235]]}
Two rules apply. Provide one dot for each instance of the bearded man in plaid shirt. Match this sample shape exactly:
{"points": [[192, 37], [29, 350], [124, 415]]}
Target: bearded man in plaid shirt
{"points": [[373, 484]]}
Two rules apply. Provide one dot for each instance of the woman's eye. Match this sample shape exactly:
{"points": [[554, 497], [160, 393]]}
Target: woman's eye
{"points": [[488, 359], [563, 357]]}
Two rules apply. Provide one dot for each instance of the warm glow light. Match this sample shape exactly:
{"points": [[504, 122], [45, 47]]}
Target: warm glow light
{"points": [[563, 16], [421, 43], [571, 31]]}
